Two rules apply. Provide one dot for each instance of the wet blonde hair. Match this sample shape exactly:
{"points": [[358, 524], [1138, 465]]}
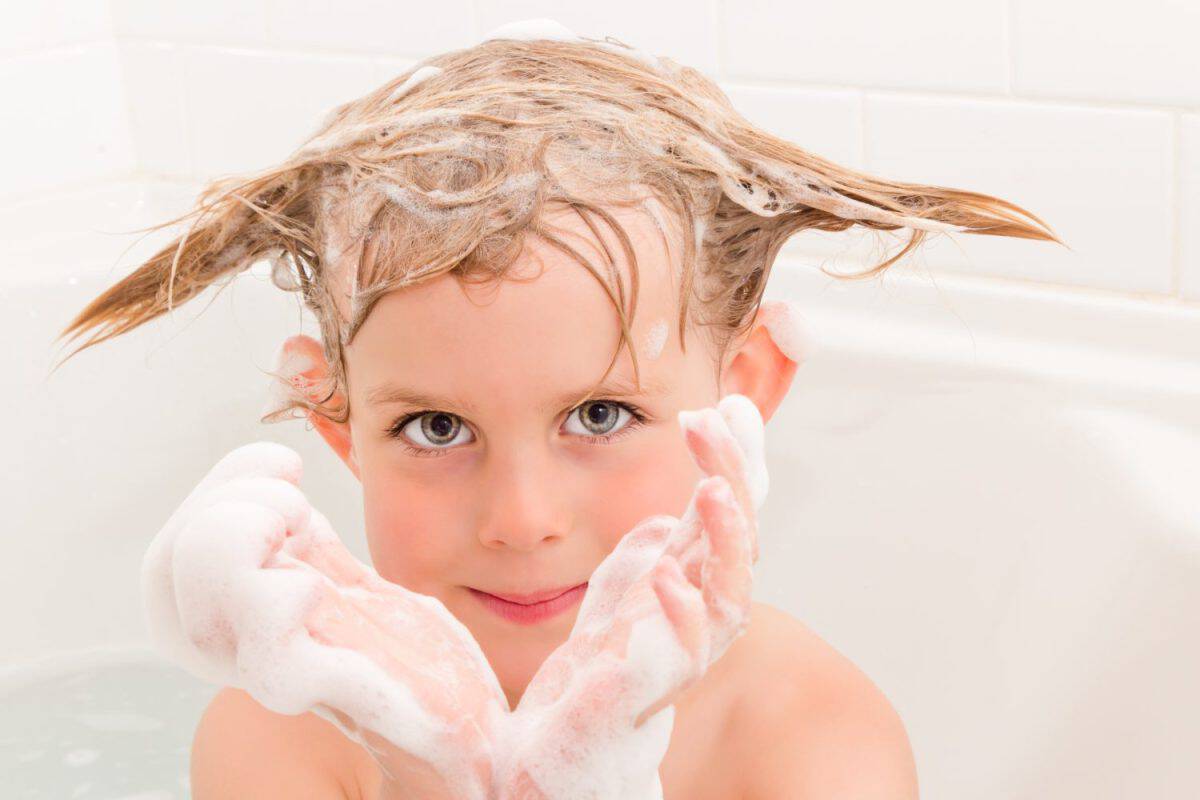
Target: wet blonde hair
{"points": [[446, 168]]}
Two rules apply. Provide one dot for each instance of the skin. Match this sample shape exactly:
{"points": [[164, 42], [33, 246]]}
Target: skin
{"points": [[521, 501]]}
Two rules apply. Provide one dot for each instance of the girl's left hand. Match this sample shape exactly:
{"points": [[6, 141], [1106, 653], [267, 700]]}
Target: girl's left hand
{"points": [[665, 604]]}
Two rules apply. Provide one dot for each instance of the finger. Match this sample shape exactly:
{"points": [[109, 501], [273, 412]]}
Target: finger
{"points": [[715, 450], [727, 575], [686, 544], [632, 558], [316, 544], [684, 607], [276, 494], [654, 653], [745, 423], [290, 671], [608, 586], [415, 639]]}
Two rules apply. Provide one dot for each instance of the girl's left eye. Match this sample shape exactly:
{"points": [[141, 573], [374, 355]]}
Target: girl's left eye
{"points": [[600, 417]]}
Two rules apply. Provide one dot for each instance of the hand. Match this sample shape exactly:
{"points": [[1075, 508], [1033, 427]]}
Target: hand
{"points": [[665, 604], [248, 586]]}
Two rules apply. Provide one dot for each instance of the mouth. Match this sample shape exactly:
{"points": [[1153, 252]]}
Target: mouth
{"points": [[532, 608]]}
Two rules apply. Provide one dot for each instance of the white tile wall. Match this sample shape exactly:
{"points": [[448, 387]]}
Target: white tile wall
{"points": [[1086, 114], [1189, 205], [156, 103], [1099, 178], [62, 120], [50, 23], [1112, 52], [370, 26], [279, 100], [935, 44], [210, 22], [827, 122]]}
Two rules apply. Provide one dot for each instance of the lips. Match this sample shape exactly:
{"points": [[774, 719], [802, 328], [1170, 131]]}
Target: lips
{"points": [[519, 609], [533, 597]]}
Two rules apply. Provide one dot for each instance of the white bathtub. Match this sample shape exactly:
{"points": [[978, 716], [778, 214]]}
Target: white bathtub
{"points": [[114, 724], [986, 495]]}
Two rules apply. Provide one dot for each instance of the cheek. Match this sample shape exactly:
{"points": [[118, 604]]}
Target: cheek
{"points": [[660, 481], [409, 532]]}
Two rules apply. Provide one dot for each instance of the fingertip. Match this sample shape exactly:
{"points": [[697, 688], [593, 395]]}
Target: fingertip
{"points": [[702, 434], [281, 496]]}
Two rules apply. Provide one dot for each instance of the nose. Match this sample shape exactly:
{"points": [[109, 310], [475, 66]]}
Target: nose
{"points": [[525, 506]]}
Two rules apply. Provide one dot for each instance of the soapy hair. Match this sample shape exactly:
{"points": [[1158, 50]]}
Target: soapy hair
{"points": [[449, 166]]}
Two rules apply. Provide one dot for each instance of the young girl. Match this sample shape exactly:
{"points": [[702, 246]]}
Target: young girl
{"points": [[474, 237]]}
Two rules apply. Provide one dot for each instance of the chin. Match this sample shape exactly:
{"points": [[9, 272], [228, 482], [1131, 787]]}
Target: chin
{"points": [[516, 653]]}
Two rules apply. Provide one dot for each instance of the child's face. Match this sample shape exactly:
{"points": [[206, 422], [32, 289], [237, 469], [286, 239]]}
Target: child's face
{"points": [[501, 490]]}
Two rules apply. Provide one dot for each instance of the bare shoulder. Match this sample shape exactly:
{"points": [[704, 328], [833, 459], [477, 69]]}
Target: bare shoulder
{"points": [[242, 749], [811, 724]]}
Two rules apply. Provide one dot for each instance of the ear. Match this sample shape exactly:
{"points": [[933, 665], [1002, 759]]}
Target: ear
{"points": [[308, 359], [759, 369]]}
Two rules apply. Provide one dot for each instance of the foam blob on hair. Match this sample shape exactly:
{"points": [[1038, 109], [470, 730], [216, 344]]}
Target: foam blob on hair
{"points": [[792, 332], [656, 337], [287, 381], [528, 30], [531, 29], [422, 74]]}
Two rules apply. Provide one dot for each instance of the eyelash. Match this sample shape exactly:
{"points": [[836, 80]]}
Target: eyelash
{"points": [[397, 428]]}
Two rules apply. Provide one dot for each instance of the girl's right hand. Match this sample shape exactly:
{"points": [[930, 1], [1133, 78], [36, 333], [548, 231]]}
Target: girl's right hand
{"points": [[247, 585]]}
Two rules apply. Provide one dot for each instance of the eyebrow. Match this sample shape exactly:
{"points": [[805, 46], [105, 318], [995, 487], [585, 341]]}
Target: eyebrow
{"points": [[388, 393]]}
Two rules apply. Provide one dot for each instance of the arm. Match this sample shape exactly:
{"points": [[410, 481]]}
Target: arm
{"points": [[838, 738], [243, 750]]}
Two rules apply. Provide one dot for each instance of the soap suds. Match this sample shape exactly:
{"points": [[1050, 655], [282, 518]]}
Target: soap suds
{"points": [[118, 721], [420, 75], [656, 337], [528, 30], [81, 757], [544, 28], [790, 330], [282, 390]]}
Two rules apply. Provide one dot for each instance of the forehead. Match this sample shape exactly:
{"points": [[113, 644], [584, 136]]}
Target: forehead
{"points": [[553, 323]]}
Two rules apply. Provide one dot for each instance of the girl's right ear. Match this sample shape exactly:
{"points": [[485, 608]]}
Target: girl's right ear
{"points": [[300, 365]]}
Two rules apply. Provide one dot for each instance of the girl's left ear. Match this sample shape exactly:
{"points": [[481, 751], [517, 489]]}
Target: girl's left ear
{"points": [[760, 370]]}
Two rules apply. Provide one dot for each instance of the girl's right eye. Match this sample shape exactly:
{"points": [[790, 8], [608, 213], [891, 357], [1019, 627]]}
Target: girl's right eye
{"points": [[432, 431]]}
